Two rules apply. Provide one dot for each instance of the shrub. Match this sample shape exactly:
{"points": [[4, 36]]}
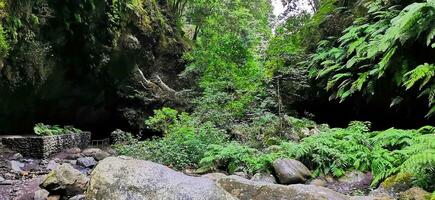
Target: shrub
{"points": [[184, 143], [49, 130]]}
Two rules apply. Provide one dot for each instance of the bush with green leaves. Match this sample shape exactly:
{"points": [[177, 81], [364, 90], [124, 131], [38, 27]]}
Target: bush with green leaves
{"points": [[184, 143], [51, 130]]}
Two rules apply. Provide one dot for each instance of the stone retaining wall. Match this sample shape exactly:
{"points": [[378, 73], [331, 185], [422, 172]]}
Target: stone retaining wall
{"points": [[44, 146]]}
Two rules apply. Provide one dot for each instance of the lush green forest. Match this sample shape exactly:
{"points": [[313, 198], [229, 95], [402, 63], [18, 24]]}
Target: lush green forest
{"points": [[249, 82], [224, 85]]}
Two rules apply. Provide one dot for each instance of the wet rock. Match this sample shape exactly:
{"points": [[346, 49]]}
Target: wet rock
{"points": [[65, 179], [96, 153], [414, 193], [124, 178], [41, 195], [290, 171], [78, 197], [87, 162], [16, 165], [244, 189], [264, 178]]}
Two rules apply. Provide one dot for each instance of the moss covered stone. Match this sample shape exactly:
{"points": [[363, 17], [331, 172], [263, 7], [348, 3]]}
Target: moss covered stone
{"points": [[399, 182]]}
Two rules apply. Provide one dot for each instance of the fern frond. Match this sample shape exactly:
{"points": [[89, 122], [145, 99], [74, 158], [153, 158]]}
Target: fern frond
{"points": [[423, 73]]}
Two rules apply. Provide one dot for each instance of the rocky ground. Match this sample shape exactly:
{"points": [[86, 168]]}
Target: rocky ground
{"points": [[21, 177], [92, 173]]}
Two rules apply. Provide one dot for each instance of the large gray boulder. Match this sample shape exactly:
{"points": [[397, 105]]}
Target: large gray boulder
{"points": [[290, 171], [244, 189], [124, 178], [66, 180]]}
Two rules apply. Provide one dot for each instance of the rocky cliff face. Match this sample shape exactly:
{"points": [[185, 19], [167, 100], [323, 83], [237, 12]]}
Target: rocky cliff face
{"points": [[93, 64]]}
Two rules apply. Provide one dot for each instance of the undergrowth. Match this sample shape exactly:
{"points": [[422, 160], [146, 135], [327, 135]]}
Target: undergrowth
{"points": [[333, 151], [184, 143]]}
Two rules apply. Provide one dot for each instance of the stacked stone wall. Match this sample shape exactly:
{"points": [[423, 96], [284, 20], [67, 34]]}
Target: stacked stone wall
{"points": [[44, 146]]}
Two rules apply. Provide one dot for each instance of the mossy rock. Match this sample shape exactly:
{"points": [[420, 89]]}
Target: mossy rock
{"points": [[415, 193], [399, 182]]}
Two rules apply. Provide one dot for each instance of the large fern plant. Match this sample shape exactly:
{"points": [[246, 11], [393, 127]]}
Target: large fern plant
{"points": [[375, 48]]}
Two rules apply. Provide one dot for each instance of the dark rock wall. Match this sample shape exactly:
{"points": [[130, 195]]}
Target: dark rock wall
{"points": [[77, 63]]}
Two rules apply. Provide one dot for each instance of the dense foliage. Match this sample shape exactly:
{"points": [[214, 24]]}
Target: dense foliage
{"points": [[81, 62], [241, 74], [188, 143], [390, 47], [225, 60], [184, 143]]}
